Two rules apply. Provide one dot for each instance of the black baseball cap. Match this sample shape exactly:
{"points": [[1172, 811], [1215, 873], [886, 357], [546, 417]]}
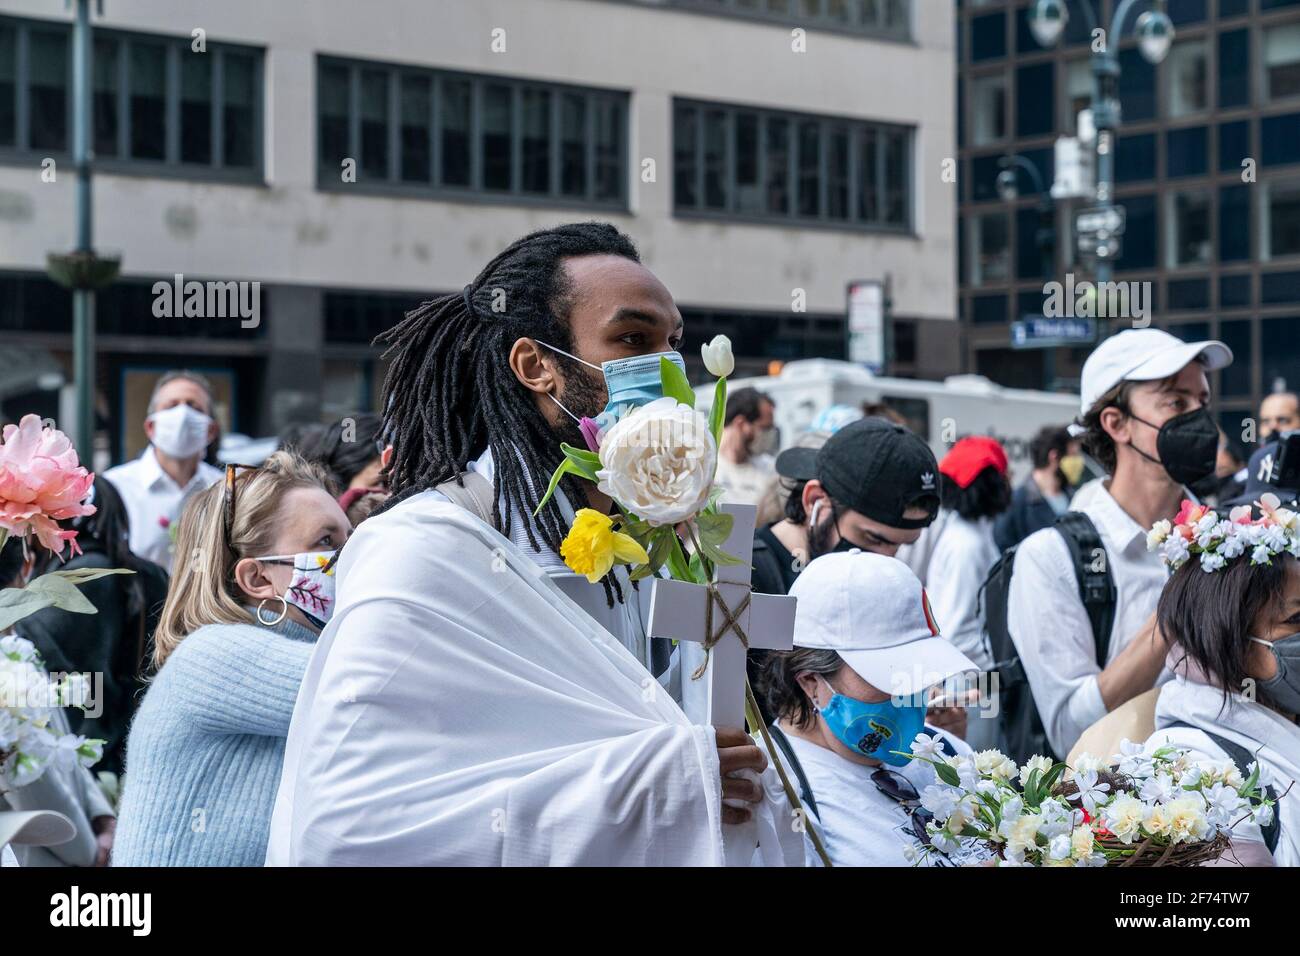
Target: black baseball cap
{"points": [[1264, 474], [873, 466]]}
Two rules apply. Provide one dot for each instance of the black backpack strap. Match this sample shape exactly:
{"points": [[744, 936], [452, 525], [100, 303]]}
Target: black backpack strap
{"points": [[1092, 571], [944, 743], [791, 761], [1242, 758]]}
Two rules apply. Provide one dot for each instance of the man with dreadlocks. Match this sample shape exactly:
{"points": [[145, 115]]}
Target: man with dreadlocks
{"points": [[461, 708]]}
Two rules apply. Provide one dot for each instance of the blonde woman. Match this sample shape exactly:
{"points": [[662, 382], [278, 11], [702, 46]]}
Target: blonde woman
{"points": [[252, 588]]}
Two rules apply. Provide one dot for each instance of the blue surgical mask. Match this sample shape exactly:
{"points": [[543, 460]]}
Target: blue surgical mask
{"points": [[631, 382], [875, 729]]}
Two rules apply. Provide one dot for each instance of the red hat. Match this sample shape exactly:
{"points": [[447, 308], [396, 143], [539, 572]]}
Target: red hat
{"points": [[972, 455]]}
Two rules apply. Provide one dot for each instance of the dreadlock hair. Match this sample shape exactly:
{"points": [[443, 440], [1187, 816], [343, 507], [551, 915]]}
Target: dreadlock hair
{"points": [[450, 390]]}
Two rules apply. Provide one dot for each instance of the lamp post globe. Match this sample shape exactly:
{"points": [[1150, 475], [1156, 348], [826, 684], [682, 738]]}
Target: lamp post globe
{"points": [[1007, 187], [1155, 33], [1047, 19]]}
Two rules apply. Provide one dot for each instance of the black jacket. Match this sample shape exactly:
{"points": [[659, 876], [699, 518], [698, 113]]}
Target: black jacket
{"points": [[1029, 511], [113, 642]]}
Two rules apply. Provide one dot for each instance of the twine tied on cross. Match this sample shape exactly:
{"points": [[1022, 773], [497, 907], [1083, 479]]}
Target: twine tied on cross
{"points": [[731, 621]]}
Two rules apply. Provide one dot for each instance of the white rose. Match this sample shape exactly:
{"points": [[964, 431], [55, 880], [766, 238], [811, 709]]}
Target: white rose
{"points": [[717, 356], [658, 462]]}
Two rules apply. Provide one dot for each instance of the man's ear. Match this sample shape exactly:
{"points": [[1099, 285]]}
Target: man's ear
{"points": [[148, 427], [386, 457], [813, 492], [212, 430], [251, 578], [534, 370], [1116, 424]]}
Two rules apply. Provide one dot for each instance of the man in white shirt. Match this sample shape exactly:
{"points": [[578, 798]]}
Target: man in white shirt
{"points": [[155, 486], [745, 454], [1145, 420]]}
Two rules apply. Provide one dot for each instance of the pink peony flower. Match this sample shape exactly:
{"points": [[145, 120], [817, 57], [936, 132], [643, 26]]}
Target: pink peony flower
{"points": [[41, 483]]}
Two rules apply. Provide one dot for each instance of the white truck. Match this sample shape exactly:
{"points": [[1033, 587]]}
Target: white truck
{"points": [[941, 412]]}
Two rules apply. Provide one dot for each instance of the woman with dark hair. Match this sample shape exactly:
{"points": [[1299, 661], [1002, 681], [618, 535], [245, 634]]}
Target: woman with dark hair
{"points": [[1231, 615], [114, 642], [351, 450]]}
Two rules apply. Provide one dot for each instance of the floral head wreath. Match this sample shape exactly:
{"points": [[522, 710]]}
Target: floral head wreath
{"points": [[1199, 529]]}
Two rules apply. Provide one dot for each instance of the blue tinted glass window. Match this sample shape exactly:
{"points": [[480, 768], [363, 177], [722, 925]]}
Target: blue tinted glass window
{"points": [[1139, 250], [1135, 158], [988, 36], [1186, 11], [1234, 144], [1137, 86], [1236, 377], [1044, 160], [1234, 68], [1234, 223], [1076, 27], [1029, 304], [1276, 4], [1184, 294], [1035, 99], [1191, 331], [984, 177], [1279, 287], [1033, 259], [1279, 349], [1187, 151], [1279, 139], [1233, 8], [1234, 291], [986, 309]]}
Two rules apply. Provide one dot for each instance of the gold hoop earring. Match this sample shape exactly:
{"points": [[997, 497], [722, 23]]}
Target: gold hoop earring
{"points": [[284, 610]]}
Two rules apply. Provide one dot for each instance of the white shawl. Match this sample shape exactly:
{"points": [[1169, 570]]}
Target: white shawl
{"points": [[459, 709], [1271, 737]]}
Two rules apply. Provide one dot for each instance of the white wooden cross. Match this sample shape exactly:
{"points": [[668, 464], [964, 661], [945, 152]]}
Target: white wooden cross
{"points": [[679, 610]]}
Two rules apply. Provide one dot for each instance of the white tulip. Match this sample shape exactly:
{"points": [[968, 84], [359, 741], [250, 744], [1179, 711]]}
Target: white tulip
{"points": [[717, 356]]}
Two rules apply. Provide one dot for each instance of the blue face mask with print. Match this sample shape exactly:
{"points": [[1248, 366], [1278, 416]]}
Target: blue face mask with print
{"points": [[631, 382], [875, 729]]}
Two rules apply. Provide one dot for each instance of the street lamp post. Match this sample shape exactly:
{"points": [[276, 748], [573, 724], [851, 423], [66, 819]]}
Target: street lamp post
{"points": [[1155, 33], [81, 270]]}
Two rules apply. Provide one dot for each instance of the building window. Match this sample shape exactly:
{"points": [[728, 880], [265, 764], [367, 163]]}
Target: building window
{"points": [[1234, 68], [1188, 238], [891, 18], [988, 37], [1234, 223], [1187, 151], [1035, 100], [452, 134], [990, 258], [1188, 78], [1280, 219], [764, 165], [1078, 89], [154, 101], [1282, 61], [988, 103]]}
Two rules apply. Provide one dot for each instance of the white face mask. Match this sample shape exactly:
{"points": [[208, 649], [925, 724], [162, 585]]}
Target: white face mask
{"points": [[180, 431], [311, 589]]}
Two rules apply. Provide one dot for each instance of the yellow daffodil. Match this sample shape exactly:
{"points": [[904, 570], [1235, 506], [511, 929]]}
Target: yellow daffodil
{"points": [[592, 546]]}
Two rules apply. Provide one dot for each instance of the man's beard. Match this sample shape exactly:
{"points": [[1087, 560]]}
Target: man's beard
{"points": [[583, 397], [819, 537]]}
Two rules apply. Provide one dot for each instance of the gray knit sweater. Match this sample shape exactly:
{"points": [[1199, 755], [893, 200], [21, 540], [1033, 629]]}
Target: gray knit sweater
{"points": [[204, 752]]}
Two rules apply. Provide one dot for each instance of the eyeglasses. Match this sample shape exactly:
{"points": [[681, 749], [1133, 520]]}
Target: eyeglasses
{"points": [[228, 506], [899, 789]]}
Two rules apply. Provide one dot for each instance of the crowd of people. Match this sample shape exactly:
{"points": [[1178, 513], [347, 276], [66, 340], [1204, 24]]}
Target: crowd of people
{"points": [[275, 690]]}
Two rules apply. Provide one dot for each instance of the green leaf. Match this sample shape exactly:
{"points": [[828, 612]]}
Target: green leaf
{"points": [[675, 383], [719, 409], [678, 566], [1050, 778], [660, 549], [717, 555], [1032, 785], [82, 575], [697, 567], [715, 528], [586, 463], [948, 774], [49, 590], [567, 467]]}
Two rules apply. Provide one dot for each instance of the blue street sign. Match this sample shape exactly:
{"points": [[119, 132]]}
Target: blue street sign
{"points": [[1041, 333]]}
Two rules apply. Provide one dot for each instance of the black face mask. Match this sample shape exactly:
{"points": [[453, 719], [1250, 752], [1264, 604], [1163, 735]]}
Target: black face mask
{"points": [[1188, 445]]}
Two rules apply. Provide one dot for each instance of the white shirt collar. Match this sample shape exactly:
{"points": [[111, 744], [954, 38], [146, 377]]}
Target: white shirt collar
{"points": [[153, 473]]}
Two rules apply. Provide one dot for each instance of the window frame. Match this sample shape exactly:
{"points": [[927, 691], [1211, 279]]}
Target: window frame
{"points": [[171, 166], [856, 128], [329, 180]]}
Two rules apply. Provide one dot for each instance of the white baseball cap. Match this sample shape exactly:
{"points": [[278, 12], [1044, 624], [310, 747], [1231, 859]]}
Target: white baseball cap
{"points": [[35, 828], [873, 612], [1143, 355]]}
